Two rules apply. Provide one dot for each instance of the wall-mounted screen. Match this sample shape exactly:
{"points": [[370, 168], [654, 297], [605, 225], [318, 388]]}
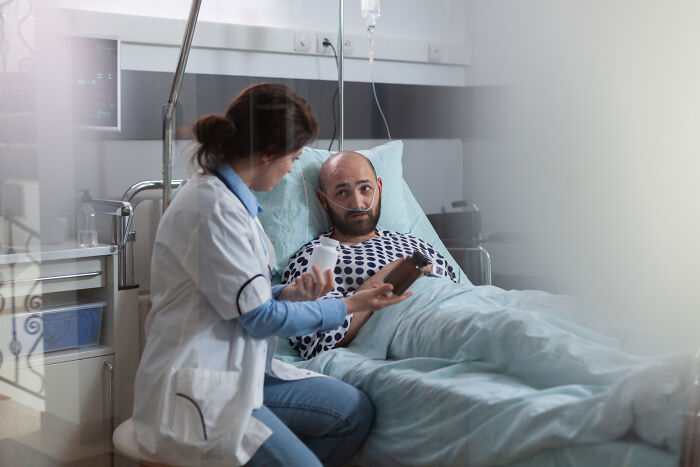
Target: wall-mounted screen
{"points": [[96, 82]]}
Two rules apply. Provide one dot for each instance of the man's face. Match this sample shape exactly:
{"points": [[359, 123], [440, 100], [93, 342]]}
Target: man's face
{"points": [[350, 186]]}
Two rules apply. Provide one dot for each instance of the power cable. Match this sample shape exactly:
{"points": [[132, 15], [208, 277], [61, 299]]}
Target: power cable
{"points": [[327, 43]]}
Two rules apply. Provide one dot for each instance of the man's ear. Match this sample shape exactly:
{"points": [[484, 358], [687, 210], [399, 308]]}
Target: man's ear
{"points": [[322, 199], [379, 183]]}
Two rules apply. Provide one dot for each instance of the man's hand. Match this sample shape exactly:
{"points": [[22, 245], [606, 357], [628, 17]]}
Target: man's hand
{"points": [[378, 278], [372, 299], [308, 286]]}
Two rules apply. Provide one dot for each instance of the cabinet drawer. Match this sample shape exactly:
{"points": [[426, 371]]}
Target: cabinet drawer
{"points": [[23, 279]]}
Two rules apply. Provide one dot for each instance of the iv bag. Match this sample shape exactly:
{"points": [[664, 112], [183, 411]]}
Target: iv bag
{"points": [[370, 11]]}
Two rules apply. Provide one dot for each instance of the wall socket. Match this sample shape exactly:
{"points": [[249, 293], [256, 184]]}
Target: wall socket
{"points": [[302, 41], [323, 49], [347, 46], [434, 53]]}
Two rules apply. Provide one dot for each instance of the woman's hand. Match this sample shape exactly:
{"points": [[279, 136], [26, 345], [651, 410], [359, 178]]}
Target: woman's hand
{"points": [[373, 298], [308, 286]]}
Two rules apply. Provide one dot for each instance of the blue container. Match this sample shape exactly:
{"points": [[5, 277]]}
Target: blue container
{"points": [[67, 327]]}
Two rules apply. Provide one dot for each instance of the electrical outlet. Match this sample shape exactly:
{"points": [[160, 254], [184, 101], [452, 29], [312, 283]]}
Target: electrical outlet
{"points": [[434, 53], [347, 46], [325, 49], [302, 41]]}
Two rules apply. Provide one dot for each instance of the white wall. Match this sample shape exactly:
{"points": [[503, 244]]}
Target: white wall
{"points": [[589, 141], [403, 35]]}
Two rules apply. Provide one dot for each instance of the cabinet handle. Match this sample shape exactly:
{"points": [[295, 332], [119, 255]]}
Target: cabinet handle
{"points": [[110, 373], [55, 278]]}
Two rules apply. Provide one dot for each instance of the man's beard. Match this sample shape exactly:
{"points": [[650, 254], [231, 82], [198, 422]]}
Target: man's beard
{"points": [[347, 225]]}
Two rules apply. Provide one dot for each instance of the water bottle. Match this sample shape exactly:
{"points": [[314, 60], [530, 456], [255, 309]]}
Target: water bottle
{"points": [[86, 227], [325, 255]]}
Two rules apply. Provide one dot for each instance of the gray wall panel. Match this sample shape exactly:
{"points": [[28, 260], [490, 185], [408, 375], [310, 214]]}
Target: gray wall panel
{"points": [[412, 111]]}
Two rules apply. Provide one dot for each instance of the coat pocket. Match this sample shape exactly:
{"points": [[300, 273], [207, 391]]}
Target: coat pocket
{"points": [[200, 398]]}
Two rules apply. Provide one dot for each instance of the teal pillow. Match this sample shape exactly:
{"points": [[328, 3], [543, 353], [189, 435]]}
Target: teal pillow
{"points": [[292, 215]]}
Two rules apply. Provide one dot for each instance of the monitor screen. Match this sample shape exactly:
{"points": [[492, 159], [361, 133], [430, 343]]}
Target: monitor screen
{"points": [[96, 82]]}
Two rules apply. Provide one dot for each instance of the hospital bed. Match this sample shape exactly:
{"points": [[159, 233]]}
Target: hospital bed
{"points": [[455, 372], [449, 371], [453, 404]]}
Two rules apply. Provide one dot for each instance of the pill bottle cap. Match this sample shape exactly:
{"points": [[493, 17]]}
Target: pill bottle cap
{"points": [[418, 260], [327, 241]]}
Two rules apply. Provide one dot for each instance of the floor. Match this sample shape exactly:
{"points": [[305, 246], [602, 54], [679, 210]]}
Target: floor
{"points": [[23, 442]]}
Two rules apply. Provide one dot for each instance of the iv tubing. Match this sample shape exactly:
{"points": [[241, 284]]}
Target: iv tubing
{"points": [[370, 32]]}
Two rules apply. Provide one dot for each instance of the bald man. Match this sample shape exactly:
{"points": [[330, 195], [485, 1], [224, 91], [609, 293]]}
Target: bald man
{"points": [[351, 195]]}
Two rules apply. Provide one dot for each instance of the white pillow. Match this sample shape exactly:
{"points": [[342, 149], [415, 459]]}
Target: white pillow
{"points": [[292, 215]]}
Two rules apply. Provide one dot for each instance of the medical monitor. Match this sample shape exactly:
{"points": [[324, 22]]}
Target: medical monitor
{"points": [[96, 82]]}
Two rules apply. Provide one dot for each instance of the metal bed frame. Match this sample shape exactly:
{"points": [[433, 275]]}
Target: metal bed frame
{"points": [[690, 453]]}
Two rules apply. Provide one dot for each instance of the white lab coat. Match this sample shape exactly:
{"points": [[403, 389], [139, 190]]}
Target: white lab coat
{"points": [[201, 375]]}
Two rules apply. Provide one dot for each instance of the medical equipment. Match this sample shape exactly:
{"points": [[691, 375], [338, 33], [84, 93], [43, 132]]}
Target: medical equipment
{"points": [[169, 107], [406, 272], [370, 12], [358, 210], [325, 255], [96, 82], [461, 232]]}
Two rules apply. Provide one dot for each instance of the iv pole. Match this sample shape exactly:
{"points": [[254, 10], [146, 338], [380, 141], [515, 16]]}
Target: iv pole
{"points": [[341, 132], [169, 108]]}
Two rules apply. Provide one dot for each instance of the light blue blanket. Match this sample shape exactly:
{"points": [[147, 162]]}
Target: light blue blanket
{"points": [[481, 376]]}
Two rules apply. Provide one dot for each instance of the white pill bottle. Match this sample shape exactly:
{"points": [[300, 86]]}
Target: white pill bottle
{"points": [[325, 255]]}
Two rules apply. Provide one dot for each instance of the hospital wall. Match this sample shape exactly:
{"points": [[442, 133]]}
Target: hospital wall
{"points": [[583, 134], [413, 95], [572, 125]]}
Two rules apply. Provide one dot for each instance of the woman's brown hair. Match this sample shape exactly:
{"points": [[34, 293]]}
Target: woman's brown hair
{"points": [[264, 119]]}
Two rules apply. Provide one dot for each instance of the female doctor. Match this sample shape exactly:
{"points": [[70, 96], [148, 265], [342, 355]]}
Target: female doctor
{"points": [[207, 390]]}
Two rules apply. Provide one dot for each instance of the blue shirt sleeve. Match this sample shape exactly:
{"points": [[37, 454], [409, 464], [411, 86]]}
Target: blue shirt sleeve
{"points": [[277, 290], [282, 318]]}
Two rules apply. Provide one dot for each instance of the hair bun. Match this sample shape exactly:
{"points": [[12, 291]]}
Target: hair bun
{"points": [[214, 132]]}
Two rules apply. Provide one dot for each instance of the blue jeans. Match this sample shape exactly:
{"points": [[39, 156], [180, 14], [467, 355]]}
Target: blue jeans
{"points": [[313, 421]]}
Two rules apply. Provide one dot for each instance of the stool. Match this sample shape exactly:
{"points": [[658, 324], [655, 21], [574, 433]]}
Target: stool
{"points": [[124, 439]]}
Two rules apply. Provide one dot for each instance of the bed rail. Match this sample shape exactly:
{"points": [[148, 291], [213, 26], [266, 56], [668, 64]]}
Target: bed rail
{"points": [[689, 454], [124, 229]]}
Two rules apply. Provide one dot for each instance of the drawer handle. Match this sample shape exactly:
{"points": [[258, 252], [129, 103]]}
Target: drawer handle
{"points": [[56, 278]]}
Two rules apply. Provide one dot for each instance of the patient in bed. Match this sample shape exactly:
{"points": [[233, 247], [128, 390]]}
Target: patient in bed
{"points": [[350, 193]]}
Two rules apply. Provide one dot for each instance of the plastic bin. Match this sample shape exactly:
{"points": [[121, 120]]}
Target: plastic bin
{"points": [[66, 327]]}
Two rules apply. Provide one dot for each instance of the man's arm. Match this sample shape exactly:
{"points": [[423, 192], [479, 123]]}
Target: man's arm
{"points": [[360, 319]]}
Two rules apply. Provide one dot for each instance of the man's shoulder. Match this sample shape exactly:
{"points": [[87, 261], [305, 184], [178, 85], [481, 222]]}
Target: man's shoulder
{"points": [[405, 236]]}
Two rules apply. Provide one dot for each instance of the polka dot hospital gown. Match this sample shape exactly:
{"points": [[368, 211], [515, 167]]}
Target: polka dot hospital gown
{"points": [[355, 264]]}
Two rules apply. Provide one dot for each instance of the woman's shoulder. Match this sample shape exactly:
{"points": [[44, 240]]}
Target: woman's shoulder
{"points": [[204, 198], [205, 193]]}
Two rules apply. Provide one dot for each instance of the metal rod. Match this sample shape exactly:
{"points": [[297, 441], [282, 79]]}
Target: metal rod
{"points": [[110, 373], [56, 278], [125, 231], [341, 85], [689, 450], [172, 101], [137, 188]]}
